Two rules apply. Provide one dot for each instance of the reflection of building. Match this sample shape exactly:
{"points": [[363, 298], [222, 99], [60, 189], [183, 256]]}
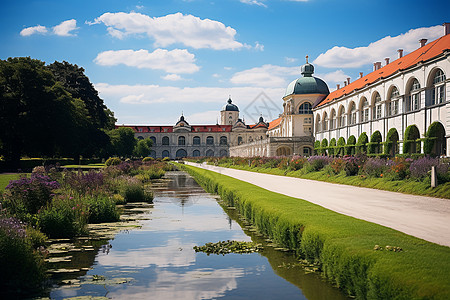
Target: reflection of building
{"points": [[412, 91]]}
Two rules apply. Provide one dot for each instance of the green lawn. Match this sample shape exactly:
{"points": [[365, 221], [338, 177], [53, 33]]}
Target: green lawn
{"points": [[5, 178], [90, 166], [343, 246]]}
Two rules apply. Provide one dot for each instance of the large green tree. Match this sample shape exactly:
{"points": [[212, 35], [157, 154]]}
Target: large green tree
{"points": [[143, 148], [40, 117], [122, 141]]}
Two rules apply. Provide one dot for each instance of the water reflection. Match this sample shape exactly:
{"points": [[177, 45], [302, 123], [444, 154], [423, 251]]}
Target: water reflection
{"points": [[157, 261]]}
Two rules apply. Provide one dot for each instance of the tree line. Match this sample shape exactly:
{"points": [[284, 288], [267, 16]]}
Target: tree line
{"points": [[54, 111]]}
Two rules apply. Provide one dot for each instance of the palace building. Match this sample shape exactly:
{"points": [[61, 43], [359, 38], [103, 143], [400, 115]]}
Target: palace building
{"points": [[403, 105]]}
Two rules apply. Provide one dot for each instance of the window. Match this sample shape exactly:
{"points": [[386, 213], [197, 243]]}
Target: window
{"points": [[318, 124], [153, 140], [438, 90], [341, 117], [165, 153], [377, 107], [181, 141], [196, 140], [140, 137], [165, 141], [333, 119], [305, 109], [392, 107], [365, 110], [196, 153], [413, 102], [239, 140], [307, 120], [223, 140], [352, 114], [210, 140], [306, 151], [325, 122]]}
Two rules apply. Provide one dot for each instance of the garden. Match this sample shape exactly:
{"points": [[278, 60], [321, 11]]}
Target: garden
{"points": [[57, 203]]}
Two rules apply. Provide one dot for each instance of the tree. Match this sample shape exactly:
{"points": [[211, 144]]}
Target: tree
{"points": [[122, 141], [143, 147]]}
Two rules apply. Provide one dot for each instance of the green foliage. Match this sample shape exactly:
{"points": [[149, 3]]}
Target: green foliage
{"points": [[410, 143], [435, 135], [323, 147], [340, 147], [361, 145], [166, 159], [113, 161], [391, 143], [143, 147], [122, 141], [317, 147], [148, 158], [22, 267], [375, 143], [350, 148], [341, 246], [332, 147], [102, 209]]}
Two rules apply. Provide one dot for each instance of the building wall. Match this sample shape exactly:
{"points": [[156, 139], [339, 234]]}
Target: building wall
{"points": [[422, 117]]}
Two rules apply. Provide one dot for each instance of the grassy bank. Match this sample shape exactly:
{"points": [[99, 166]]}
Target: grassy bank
{"points": [[407, 186], [343, 247]]}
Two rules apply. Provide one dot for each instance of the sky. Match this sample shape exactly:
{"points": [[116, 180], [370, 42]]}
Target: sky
{"points": [[152, 61]]}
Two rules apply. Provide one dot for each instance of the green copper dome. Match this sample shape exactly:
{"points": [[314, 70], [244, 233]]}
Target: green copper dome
{"points": [[307, 84]]}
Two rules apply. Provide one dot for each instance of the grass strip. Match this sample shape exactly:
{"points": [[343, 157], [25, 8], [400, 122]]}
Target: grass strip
{"points": [[344, 247], [406, 186], [5, 178]]}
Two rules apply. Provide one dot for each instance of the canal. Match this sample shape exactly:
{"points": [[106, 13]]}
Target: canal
{"points": [[156, 260]]}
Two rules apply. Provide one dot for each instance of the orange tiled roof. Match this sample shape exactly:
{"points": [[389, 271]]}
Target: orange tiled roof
{"points": [[274, 123], [194, 128], [422, 54]]}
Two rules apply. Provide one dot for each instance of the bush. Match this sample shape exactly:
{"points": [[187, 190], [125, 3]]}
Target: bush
{"points": [[22, 268], [351, 166], [166, 159], [323, 147], [399, 168], [361, 145], [375, 167], [337, 165], [375, 143], [113, 161], [350, 148], [63, 218], [316, 163], [340, 147], [332, 147], [83, 183], [27, 195], [102, 209], [133, 190], [148, 158]]}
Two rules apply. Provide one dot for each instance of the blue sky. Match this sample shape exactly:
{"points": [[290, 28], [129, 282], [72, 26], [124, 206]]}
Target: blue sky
{"points": [[153, 60]]}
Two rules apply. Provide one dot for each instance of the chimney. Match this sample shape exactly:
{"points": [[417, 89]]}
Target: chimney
{"points": [[387, 60], [338, 86], [345, 83], [361, 74], [400, 53], [376, 65], [422, 42], [348, 80], [447, 28]]}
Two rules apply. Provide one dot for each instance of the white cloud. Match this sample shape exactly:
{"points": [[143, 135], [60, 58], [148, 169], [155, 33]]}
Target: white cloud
{"points": [[266, 76], [175, 61], [254, 2], [172, 77], [65, 28], [343, 57], [337, 76], [171, 29], [33, 30], [215, 75], [228, 68], [259, 47], [290, 60], [206, 117]]}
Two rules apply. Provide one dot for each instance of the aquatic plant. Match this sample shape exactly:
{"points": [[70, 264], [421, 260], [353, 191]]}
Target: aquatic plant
{"points": [[226, 247]]}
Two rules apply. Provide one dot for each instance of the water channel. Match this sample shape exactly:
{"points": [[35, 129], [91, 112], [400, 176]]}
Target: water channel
{"points": [[156, 260]]}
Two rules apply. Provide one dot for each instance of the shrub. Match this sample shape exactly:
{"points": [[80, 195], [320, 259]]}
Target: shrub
{"points": [[421, 167], [399, 167], [316, 163], [22, 268], [166, 159], [350, 148], [113, 161], [375, 167], [148, 158], [102, 209], [316, 147], [337, 165], [340, 147], [351, 166], [375, 143], [297, 163], [332, 147], [133, 190], [82, 182], [65, 217], [361, 145], [391, 143], [28, 195], [323, 147], [410, 143]]}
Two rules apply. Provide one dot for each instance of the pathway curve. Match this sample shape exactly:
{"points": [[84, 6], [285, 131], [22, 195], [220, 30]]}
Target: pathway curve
{"points": [[423, 217]]}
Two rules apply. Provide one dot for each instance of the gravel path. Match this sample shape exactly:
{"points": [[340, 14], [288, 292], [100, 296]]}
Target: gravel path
{"points": [[423, 217]]}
